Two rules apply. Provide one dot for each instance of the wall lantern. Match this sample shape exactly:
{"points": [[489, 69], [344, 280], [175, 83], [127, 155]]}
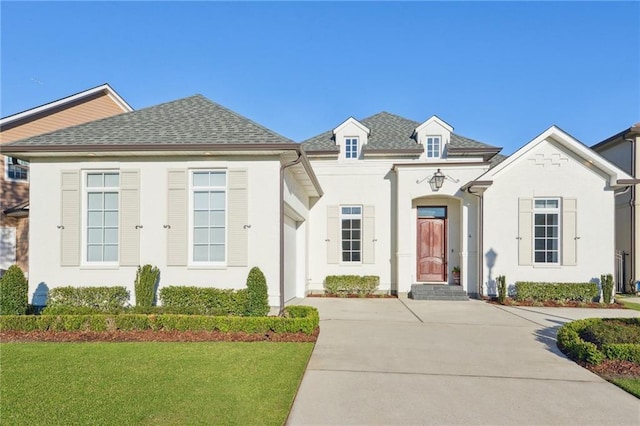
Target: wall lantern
{"points": [[436, 180]]}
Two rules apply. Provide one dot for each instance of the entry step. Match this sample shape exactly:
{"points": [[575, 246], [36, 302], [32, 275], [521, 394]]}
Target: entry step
{"points": [[437, 292]]}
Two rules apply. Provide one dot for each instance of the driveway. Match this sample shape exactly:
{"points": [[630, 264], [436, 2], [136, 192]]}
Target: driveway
{"points": [[401, 361]]}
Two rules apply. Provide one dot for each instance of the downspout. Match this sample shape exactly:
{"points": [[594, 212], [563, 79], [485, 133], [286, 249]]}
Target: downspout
{"points": [[632, 206], [282, 169]]}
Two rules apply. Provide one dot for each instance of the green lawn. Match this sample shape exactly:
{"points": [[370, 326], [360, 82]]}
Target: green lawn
{"points": [[629, 305], [630, 385], [213, 383]]}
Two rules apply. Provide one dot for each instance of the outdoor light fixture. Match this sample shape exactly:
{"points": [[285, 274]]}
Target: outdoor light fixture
{"points": [[436, 180]]}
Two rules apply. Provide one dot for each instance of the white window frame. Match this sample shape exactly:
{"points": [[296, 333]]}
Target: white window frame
{"points": [[22, 164], [191, 221], [85, 213], [348, 153], [430, 149], [350, 216], [546, 210]]}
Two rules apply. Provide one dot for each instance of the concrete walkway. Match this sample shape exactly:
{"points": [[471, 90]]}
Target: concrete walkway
{"points": [[406, 362]]}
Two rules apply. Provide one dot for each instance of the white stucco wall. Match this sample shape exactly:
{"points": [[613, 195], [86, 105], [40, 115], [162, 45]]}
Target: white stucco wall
{"points": [[549, 171], [263, 218]]}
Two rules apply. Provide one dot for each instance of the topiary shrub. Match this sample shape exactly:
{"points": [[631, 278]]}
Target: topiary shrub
{"points": [[607, 287], [502, 289], [14, 292], [257, 294], [145, 286]]}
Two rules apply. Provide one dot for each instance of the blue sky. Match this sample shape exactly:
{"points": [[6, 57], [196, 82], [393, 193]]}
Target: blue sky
{"points": [[498, 72]]}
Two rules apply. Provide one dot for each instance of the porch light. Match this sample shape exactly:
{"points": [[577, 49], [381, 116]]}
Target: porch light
{"points": [[436, 180]]}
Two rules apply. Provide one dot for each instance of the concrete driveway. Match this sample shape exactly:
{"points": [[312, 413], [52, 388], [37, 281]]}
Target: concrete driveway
{"points": [[406, 362]]}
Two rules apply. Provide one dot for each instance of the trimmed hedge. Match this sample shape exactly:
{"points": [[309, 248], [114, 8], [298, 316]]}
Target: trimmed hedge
{"points": [[145, 285], [562, 292], [14, 292], [573, 339], [257, 302], [351, 284], [102, 299], [607, 287], [203, 300], [296, 319]]}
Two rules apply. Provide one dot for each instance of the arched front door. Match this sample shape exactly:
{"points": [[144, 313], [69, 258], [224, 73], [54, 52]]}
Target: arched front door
{"points": [[432, 244]]}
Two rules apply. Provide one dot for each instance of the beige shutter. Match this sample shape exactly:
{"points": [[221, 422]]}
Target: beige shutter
{"points": [[177, 218], [369, 235], [569, 231], [129, 217], [525, 227], [70, 218], [333, 234], [237, 218]]}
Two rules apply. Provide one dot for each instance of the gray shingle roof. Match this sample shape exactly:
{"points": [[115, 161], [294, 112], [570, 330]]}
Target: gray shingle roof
{"points": [[388, 132], [192, 120]]}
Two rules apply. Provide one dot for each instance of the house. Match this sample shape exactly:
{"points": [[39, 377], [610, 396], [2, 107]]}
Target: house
{"points": [[98, 102], [623, 150], [188, 186], [410, 201], [205, 194]]}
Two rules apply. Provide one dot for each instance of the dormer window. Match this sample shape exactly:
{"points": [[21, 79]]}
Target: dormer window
{"points": [[433, 146], [351, 147]]}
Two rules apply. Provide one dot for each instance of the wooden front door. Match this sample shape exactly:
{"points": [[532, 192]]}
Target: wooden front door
{"points": [[432, 249]]}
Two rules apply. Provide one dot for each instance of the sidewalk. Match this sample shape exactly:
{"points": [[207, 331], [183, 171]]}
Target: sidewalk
{"points": [[400, 361]]}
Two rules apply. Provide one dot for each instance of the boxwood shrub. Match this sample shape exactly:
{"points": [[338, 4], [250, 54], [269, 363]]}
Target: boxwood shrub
{"points": [[14, 292], [351, 284], [562, 292], [296, 319], [101, 299], [203, 300]]}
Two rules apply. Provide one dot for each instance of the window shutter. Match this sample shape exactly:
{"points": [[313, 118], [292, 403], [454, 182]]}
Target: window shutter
{"points": [[569, 231], [333, 234], [237, 218], [177, 218], [368, 235], [129, 217], [70, 218], [525, 239]]}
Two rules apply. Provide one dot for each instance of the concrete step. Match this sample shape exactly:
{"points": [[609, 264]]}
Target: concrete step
{"points": [[437, 292]]}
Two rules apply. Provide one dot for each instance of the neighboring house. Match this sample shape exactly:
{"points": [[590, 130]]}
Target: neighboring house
{"points": [[92, 104], [188, 186], [206, 194], [543, 214], [623, 149]]}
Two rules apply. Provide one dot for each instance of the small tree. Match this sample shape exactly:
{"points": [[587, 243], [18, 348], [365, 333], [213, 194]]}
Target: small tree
{"points": [[14, 292], [606, 281], [502, 289], [257, 295], [145, 285]]}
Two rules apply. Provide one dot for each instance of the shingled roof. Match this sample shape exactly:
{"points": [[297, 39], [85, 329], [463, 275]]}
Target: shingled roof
{"points": [[192, 120], [388, 132]]}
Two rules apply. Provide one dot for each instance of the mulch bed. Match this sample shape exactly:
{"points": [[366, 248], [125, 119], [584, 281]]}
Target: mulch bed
{"points": [[555, 304], [614, 369], [152, 336]]}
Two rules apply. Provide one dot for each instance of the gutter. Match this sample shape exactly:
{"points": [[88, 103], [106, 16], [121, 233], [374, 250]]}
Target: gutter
{"points": [[282, 169]]}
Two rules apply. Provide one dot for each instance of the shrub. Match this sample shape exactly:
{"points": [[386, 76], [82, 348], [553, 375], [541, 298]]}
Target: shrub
{"points": [[203, 300], [257, 294], [14, 292], [540, 292], [102, 299], [145, 285], [607, 287], [351, 284], [612, 331], [570, 343], [502, 289]]}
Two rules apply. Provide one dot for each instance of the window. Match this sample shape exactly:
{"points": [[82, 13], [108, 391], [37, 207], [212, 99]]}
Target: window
{"points": [[209, 192], [433, 147], [546, 224], [102, 216], [351, 228], [17, 169], [351, 147]]}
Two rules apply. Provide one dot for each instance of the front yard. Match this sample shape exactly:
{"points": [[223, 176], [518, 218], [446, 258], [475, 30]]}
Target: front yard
{"points": [[221, 383]]}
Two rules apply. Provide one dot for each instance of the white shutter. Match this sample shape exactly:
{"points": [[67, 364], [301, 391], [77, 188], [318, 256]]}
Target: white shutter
{"points": [[525, 238], [333, 234], [129, 217], [569, 231], [70, 218], [177, 250], [237, 218], [369, 235]]}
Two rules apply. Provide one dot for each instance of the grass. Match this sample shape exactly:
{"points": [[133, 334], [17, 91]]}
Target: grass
{"points": [[630, 385], [629, 305], [152, 383]]}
